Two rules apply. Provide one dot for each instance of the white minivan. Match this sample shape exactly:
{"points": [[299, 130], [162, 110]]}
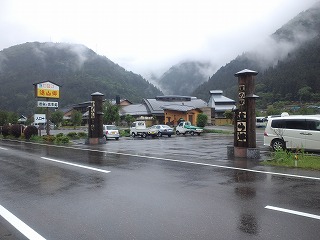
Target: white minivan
{"points": [[293, 132]]}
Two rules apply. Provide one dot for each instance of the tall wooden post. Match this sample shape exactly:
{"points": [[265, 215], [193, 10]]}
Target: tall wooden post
{"points": [[245, 115], [95, 128]]}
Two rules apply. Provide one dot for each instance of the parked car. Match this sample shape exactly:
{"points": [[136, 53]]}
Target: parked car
{"points": [[139, 128], [186, 127], [164, 130], [261, 122], [110, 131], [43, 126], [293, 132]]}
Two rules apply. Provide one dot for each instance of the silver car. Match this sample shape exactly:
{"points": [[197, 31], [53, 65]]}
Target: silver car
{"points": [[164, 130], [110, 131]]}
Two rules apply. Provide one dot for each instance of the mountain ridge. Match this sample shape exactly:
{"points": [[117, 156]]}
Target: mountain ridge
{"points": [[290, 41], [78, 69]]}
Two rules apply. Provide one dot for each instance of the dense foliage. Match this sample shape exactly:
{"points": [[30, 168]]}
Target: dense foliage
{"points": [[8, 117], [76, 118], [78, 70], [202, 120], [16, 130], [111, 113], [30, 131], [56, 117], [5, 130]]}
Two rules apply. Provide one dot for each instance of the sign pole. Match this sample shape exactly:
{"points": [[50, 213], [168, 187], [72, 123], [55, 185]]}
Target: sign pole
{"points": [[47, 120], [47, 90]]}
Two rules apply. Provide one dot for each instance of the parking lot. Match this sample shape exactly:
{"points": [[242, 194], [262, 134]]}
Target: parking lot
{"points": [[183, 187], [207, 146]]}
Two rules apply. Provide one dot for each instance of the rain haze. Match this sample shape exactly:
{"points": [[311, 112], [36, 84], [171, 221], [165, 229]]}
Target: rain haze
{"points": [[149, 36]]}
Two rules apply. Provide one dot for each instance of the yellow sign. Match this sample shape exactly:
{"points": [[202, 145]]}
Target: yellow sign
{"points": [[47, 90]]}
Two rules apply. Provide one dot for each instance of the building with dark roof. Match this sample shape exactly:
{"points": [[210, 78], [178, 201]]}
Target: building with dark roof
{"points": [[219, 104], [168, 109]]}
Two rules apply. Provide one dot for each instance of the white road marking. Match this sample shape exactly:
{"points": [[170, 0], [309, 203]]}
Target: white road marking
{"points": [[19, 225], [293, 212], [3, 148], [218, 166], [76, 165], [181, 161]]}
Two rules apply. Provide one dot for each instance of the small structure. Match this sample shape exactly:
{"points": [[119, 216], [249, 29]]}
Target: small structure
{"points": [[245, 117], [169, 109], [174, 112], [120, 102], [22, 119], [95, 128], [219, 104]]}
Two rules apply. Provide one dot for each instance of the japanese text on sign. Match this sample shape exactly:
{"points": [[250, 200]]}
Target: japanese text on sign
{"points": [[47, 90], [92, 114], [39, 118], [48, 104]]}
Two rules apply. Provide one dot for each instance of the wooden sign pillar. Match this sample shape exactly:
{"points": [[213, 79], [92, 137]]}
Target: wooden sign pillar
{"points": [[245, 116], [95, 126]]}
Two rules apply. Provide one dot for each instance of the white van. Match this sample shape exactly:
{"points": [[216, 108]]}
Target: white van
{"points": [[293, 132]]}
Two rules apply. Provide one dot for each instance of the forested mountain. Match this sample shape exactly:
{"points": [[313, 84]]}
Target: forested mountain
{"points": [[79, 71], [288, 63], [184, 78]]}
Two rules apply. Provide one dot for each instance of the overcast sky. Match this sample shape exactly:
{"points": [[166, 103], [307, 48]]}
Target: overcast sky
{"points": [[146, 36]]}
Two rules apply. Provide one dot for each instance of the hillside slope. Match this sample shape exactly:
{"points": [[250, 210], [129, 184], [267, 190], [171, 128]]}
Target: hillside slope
{"points": [[286, 62], [184, 78], [79, 71]]}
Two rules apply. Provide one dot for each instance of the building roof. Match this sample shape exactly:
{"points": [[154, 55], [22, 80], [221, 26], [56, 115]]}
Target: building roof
{"points": [[156, 105], [223, 108], [178, 107], [220, 102], [246, 72], [113, 101], [134, 109], [216, 91]]}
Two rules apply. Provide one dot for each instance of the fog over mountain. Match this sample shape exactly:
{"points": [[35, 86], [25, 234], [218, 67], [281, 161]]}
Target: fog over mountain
{"points": [[78, 69], [280, 47]]}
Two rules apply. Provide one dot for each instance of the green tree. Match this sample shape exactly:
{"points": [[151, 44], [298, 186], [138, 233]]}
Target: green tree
{"points": [[304, 93], [8, 117], [76, 118], [202, 120], [13, 117], [129, 119], [111, 113], [3, 118], [228, 114], [57, 117], [271, 110]]}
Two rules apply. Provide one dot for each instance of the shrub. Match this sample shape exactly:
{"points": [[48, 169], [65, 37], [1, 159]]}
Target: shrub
{"points": [[59, 135], [202, 120], [124, 132], [49, 138], [82, 135], [6, 130], [73, 135], [30, 131], [16, 130], [36, 138], [62, 139]]}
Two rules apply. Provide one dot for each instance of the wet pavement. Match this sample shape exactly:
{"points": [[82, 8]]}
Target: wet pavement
{"points": [[183, 187]]}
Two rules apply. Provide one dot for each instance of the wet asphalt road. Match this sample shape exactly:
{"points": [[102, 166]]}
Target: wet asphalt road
{"points": [[168, 188]]}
